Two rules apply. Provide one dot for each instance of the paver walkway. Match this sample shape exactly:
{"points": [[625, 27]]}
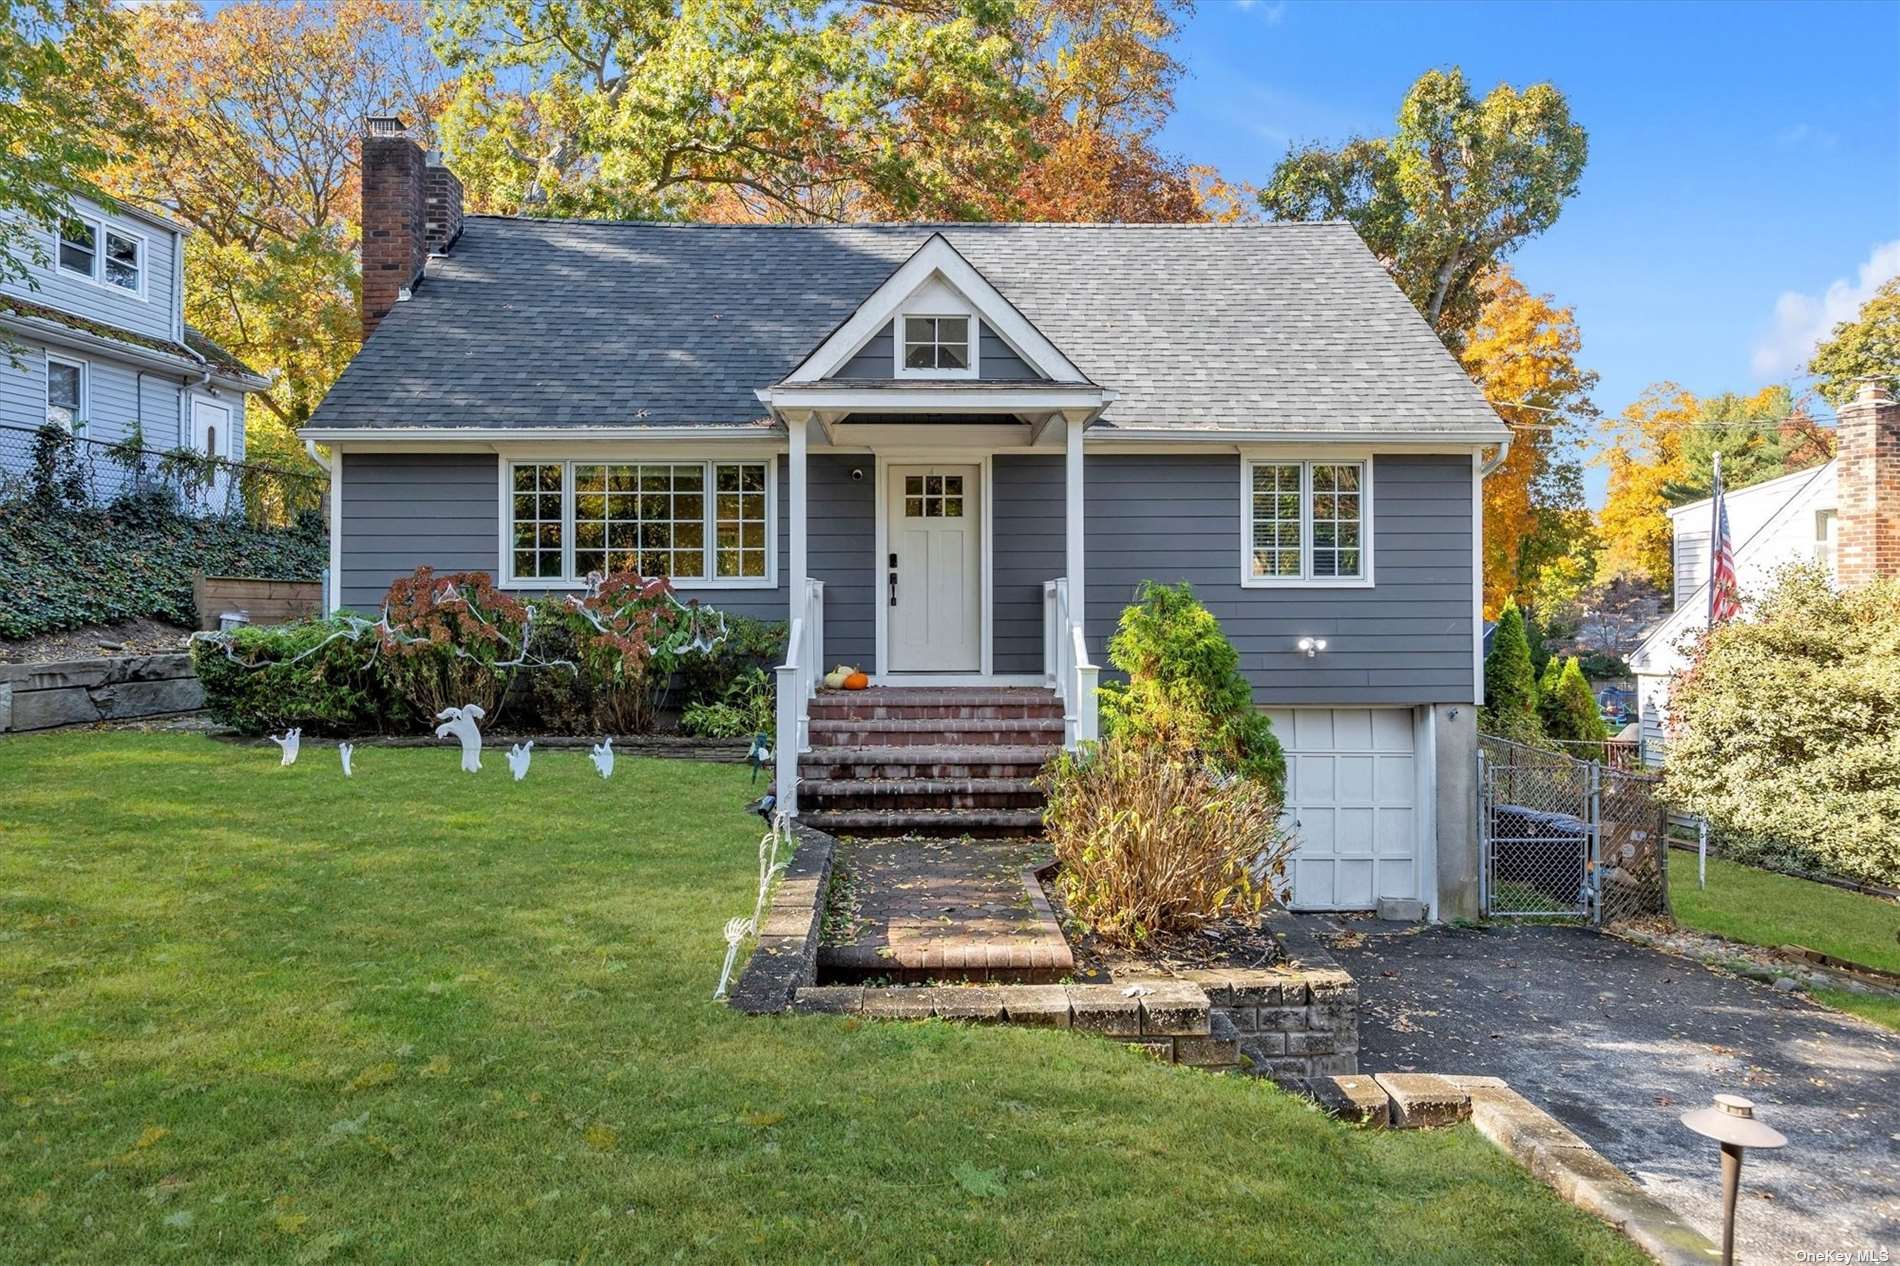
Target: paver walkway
{"points": [[1617, 1041], [914, 909]]}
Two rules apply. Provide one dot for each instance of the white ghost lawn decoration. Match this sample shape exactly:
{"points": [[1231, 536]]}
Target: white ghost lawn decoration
{"points": [[460, 722], [345, 750], [290, 742], [603, 757], [518, 756]]}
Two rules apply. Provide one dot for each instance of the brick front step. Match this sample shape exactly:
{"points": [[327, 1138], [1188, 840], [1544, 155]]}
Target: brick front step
{"points": [[925, 703], [920, 793], [936, 732], [925, 761], [936, 823]]}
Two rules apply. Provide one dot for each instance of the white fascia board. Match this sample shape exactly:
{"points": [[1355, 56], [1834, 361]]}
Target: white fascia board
{"points": [[1384, 441], [937, 257], [792, 397], [368, 435]]}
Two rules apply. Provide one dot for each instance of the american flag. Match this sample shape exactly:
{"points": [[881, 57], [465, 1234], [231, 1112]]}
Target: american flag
{"points": [[1725, 599]]}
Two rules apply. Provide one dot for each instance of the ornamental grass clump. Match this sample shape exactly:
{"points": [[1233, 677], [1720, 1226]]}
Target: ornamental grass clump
{"points": [[1150, 843]]}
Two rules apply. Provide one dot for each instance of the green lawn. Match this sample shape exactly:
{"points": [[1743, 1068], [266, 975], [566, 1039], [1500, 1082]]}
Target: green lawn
{"points": [[1760, 907], [254, 1014]]}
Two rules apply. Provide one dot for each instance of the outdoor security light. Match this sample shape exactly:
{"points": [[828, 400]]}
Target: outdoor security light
{"points": [[1312, 645]]}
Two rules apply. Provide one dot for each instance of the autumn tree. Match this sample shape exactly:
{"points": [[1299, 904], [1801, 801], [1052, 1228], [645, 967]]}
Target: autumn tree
{"points": [[64, 111], [1459, 186], [1522, 352], [787, 108], [1866, 347], [1644, 456], [258, 112]]}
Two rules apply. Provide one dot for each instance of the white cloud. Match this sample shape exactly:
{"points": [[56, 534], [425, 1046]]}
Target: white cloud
{"points": [[1271, 13], [1803, 320]]}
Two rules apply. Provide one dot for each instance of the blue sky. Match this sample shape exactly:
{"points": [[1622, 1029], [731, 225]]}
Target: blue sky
{"points": [[1744, 180]]}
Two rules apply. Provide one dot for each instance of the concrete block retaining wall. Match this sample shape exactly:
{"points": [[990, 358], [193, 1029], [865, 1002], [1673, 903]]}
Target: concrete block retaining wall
{"points": [[85, 691]]}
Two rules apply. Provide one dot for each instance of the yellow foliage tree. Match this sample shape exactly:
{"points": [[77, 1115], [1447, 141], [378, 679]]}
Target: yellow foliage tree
{"points": [[1644, 456], [1523, 354]]}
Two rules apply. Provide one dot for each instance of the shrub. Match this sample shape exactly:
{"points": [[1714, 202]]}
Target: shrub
{"points": [[748, 708], [313, 674], [1573, 715], [1786, 727], [1510, 689], [749, 644], [1152, 843], [629, 636], [449, 640], [1184, 691]]}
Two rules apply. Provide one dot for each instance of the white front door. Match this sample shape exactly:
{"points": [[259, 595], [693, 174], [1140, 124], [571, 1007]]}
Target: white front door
{"points": [[932, 578], [210, 428], [1352, 802]]}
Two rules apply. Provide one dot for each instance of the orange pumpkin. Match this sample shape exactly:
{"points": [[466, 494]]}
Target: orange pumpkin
{"points": [[856, 681]]}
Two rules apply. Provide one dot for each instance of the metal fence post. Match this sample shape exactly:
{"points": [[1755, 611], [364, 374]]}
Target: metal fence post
{"points": [[1484, 836], [1593, 857]]}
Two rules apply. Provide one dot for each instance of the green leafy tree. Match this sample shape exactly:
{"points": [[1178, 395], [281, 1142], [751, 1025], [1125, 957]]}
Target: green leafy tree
{"points": [[734, 108], [1510, 685], [1459, 186], [1547, 679], [1785, 729], [64, 108], [1866, 347], [1185, 691], [1573, 715], [1760, 437]]}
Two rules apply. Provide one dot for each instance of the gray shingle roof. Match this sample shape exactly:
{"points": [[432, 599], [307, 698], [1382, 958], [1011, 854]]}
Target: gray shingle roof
{"points": [[531, 323]]}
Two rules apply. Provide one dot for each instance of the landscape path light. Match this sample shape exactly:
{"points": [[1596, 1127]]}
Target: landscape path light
{"points": [[1731, 1122]]}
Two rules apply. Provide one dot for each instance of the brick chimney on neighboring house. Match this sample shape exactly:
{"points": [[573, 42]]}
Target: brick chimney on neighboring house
{"points": [[1867, 473], [412, 209]]}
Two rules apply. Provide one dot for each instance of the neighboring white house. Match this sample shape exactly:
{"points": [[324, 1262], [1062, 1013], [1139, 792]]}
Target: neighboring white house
{"points": [[1793, 518]]}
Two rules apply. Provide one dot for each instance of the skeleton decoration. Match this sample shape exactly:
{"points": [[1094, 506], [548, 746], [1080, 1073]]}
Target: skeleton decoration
{"points": [[602, 755], [518, 756], [292, 739], [736, 931], [460, 723], [346, 750], [769, 864]]}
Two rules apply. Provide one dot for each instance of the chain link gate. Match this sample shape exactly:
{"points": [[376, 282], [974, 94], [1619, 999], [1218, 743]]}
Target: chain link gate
{"points": [[1568, 839]]}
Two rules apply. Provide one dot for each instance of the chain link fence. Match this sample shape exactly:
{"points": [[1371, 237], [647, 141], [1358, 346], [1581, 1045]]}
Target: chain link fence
{"points": [[49, 466], [1569, 838]]}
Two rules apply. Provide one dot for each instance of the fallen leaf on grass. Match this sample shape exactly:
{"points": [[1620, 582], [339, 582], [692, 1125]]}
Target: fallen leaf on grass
{"points": [[986, 1183], [436, 1067], [152, 1134], [602, 1137], [375, 1075]]}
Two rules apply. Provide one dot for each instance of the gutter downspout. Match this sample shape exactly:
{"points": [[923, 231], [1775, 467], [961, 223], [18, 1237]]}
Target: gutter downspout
{"points": [[1504, 450]]}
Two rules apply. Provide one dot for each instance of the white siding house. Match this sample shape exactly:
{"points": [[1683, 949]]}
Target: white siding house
{"points": [[1789, 519], [94, 339]]}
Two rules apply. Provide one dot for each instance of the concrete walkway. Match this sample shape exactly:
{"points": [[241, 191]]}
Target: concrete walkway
{"points": [[1616, 1041]]}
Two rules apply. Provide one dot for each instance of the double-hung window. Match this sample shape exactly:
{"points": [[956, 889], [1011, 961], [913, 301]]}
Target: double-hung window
{"points": [[696, 522], [100, 253], [1306, 522], [65, 391]]}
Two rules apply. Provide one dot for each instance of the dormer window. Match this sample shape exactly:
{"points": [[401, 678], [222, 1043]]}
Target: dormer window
{"points": [[937, 345]]}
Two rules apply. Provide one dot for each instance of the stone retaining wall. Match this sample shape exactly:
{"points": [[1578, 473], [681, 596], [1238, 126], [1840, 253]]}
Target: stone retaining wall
{"points": [[85, 691]]}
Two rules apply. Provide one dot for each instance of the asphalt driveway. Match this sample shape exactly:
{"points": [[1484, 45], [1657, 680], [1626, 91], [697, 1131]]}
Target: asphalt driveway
{"points": [[1617, 1041]]}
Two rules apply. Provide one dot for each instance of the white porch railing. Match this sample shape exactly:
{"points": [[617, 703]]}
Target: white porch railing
{"points": [[1066, 667], [798, 679]]}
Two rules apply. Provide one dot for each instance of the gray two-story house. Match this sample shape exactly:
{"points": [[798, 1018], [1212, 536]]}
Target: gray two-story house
{"points": [[94, 340], [948, 454]]}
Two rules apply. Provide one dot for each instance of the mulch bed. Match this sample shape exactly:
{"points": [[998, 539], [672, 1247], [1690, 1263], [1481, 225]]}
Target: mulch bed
{"points": [[128, 637], [1225, 943]]}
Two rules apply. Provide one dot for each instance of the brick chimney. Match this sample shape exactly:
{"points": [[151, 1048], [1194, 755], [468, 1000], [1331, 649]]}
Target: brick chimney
{"points": [[412, 208], [1867, 435]]}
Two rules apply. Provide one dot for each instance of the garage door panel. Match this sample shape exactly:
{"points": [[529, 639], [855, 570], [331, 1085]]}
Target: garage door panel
{"points": [[1351, 789]]}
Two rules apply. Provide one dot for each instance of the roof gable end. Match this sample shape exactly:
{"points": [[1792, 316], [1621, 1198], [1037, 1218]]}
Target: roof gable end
{"points": [[932, 267]]}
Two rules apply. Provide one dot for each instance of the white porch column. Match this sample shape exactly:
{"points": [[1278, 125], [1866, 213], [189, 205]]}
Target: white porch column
{"points": [[1072, 482], [795, 427]]}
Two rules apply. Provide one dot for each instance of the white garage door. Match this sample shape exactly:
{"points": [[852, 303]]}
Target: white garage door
{"points": [[1352, 802]]}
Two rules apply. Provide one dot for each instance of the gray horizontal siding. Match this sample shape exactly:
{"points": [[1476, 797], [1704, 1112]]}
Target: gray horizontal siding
{"points": [[995, 362], [840, 542], [1406, 640], [404, 510], [1028, 523]]}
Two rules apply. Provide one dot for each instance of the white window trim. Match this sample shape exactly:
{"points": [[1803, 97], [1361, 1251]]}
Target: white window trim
{"points": [[1306, 579], [974, 329], [85, 388], [97, 277], [568, 580]]}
